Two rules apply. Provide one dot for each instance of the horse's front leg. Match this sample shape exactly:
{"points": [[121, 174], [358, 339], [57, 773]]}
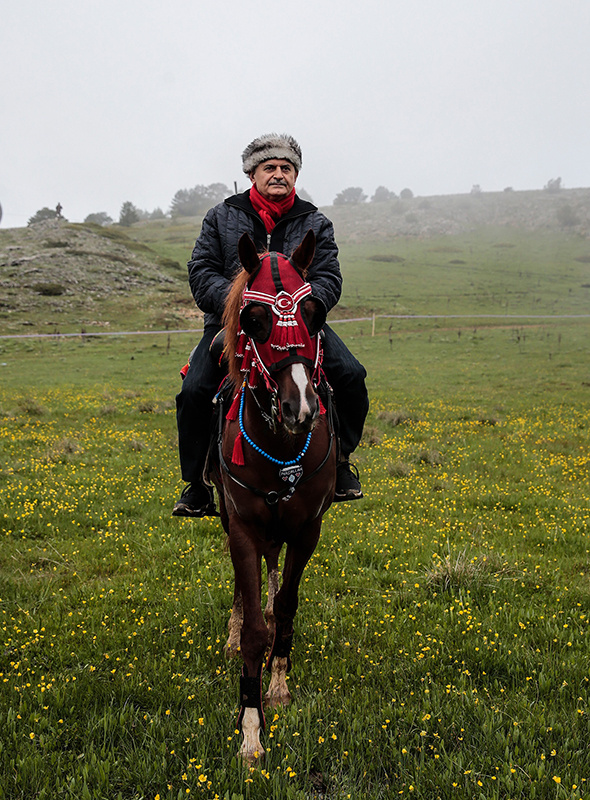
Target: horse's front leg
{"points": [[272, 568], [234, 626], [246, 558], [285, 608]]}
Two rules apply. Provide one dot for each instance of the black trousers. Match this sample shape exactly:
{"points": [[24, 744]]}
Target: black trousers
{"points": [[345, 374]]}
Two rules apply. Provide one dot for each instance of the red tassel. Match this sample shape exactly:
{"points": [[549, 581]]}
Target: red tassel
{"points": [[286, 334], [237, 456], [232, 414], [282, 337], [322, 407]]}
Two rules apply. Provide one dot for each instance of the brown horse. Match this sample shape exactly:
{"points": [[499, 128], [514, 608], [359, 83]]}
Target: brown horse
{"points": [[275, 467]]}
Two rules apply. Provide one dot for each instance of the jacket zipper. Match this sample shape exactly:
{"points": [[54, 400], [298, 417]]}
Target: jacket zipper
{"points": [[282, 220], [256, 217]]}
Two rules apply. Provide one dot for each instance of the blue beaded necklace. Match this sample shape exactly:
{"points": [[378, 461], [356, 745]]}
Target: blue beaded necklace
{"points": [[260, 450]]}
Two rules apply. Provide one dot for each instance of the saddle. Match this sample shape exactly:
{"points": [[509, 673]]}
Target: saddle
{"points": [[215, 350]]}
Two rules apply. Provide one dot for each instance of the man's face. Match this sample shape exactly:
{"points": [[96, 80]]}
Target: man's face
{"points": [[274, 178]]}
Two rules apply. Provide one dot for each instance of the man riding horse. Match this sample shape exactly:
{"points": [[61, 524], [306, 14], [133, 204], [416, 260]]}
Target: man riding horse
{"points": [[277, 220]]}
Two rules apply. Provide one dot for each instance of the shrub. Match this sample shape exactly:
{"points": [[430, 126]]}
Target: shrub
{"points": [[371, 436], [99, 218], [467, 572], [382, 194], [49, 289], [43, 214], [350, 196], [394, 418], [399, 469], [567, 217], [387, 258], [431, 457], [553, 185], [128, 215], [31, 407], [198, 200], [170, 263]]}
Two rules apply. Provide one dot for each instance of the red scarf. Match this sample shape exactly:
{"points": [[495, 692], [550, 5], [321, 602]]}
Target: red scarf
{"points": [[270, 210]]}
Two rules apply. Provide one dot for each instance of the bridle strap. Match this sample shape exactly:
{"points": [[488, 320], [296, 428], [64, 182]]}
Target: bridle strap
{"points": [[276, 275], [253, 296]]}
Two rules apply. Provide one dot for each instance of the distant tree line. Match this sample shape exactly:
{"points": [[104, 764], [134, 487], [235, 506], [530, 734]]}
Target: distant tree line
{"points": [[354, 195], [130, 214], [198, 200], [185, 203]]}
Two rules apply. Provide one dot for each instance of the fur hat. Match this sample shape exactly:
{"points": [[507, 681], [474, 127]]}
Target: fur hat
{"points": [[271, 145]]}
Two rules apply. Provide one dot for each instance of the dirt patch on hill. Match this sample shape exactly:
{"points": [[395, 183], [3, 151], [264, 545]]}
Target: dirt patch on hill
{"points": [[72, 260], [59, 271]]}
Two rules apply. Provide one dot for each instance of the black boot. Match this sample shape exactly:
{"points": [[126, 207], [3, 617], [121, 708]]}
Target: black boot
{"points": [[348, 485], [196, 500]]}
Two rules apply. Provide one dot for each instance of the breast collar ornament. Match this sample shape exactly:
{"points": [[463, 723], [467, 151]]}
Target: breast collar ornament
{"points": [[280, 288]]}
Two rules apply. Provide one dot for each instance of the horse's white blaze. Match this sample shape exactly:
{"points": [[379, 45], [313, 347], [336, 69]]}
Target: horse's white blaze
{"points": [[251, 748], [300, 380]]}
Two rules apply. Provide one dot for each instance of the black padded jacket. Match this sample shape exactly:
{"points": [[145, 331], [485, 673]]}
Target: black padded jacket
{"points": [[214, 261]]}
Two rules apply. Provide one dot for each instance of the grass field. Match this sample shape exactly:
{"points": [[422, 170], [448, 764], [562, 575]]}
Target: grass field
{"points": [[442, 642]]}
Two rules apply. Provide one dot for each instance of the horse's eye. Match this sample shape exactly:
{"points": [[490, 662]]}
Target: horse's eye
{"points": [[255, 321]]}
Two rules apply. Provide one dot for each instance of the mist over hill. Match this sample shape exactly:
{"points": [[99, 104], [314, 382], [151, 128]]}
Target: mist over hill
{"points": [[447, 215]]}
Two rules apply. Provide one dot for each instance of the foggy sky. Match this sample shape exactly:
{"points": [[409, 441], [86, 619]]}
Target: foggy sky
{"points": [[104, 102]]}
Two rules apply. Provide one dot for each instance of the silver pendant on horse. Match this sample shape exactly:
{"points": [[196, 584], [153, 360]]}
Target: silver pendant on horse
{"points": [[291, 475]]}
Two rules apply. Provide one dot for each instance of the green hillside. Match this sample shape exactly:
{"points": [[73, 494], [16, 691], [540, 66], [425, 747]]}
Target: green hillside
{"points": [[489, 254]]}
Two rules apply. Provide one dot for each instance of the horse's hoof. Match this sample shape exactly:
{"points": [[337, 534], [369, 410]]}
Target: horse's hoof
{"points": [[252, 758], [230, 650], [277, 699], [251, 751], [278, 694]]}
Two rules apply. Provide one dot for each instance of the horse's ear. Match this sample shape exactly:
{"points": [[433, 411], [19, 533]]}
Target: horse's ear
{"points": [[247, 253], [303, 255]]}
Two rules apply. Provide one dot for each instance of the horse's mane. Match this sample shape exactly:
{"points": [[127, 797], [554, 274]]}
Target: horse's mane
{"points": [[231, 323]]}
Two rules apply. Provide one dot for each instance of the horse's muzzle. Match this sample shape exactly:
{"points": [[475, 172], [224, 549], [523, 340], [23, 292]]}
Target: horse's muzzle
{"points": [[300, 417]]}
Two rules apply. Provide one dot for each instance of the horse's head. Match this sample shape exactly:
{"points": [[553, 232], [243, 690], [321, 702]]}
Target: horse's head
{"points": [[280, 322]]}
